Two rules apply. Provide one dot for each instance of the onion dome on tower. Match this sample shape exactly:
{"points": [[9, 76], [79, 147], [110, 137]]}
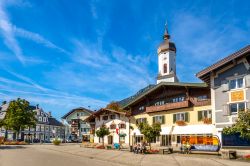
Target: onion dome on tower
{"points": [[166, 45]]}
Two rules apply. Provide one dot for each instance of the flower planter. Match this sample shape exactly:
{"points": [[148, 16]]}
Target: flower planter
{"points": [[180, 123]]}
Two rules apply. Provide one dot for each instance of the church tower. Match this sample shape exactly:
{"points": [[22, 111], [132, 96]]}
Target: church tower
{"points": [[166, 60]]}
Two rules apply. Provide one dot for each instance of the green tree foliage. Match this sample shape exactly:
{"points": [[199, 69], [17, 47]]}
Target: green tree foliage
{"points": [[19, 116], [103, 131], [150, 132], [241, 126]]}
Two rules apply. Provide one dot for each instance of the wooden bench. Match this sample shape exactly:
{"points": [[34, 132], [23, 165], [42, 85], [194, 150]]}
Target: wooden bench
{"points": [[166, 150]]}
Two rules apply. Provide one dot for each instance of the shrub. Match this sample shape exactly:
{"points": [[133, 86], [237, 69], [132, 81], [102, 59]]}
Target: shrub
{"points": [[152, 151], [247, 157], [56, 142], [100, 147]]}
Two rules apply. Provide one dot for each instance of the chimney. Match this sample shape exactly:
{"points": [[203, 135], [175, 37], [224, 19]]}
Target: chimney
{"points": [[37, 106], [49, 113]]}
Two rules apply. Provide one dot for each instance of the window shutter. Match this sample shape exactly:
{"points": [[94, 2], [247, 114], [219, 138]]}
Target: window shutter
{"points": [[225, 86], [200, 115], [136, 121], [174, 118], [153, 120], [186, 117], [226, 111], [248, 106], [247, 81], [163, 120]]}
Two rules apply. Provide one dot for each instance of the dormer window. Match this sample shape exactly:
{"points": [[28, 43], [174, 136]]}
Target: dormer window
{"points": [[236, 83]]}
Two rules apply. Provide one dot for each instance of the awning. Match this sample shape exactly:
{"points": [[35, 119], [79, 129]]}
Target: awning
{"points": [[137, 132], [166, 130], [194, 129]]}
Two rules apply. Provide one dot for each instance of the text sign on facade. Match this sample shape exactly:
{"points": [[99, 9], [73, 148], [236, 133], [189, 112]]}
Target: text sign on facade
{"points": [[237, 96]]}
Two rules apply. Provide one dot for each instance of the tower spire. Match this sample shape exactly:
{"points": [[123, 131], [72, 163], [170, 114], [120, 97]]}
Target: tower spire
{"points": [[166, 36]]}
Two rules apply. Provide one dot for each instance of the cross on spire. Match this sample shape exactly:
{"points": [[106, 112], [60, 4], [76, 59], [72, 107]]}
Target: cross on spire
{"points": [[166, 35]]}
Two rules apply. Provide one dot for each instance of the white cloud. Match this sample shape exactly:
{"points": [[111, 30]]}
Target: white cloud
{"points": [[7, 32], [10, 32], [37, 38]]}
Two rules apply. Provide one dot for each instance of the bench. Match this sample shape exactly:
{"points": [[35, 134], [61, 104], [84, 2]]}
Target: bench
{"points": [[204, 148], [166, 150]]}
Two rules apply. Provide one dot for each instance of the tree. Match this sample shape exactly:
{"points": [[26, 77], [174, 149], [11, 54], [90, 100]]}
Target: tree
{"points": [[150, 132], [103, 131], [114, 106], [242, 126], [19, 116]]}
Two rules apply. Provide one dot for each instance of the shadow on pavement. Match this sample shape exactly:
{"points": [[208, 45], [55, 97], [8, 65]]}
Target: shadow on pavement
{"points": [[10, 147]]}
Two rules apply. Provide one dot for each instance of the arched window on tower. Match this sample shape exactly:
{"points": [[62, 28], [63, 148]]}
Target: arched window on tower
{"points": [[165, 68]]}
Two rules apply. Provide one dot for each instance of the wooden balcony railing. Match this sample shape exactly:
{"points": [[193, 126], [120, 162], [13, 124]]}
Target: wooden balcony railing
{"points": [[202, 102], [168, 106]]}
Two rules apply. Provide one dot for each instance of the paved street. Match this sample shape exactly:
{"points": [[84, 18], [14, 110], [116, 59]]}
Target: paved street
{"points": [[74, 155]]}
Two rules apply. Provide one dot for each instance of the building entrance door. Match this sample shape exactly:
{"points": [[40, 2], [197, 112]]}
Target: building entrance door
{"points": [[110, 139]]}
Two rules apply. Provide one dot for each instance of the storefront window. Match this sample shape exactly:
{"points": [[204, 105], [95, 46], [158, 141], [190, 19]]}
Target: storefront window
{"points": [[138, 139]]}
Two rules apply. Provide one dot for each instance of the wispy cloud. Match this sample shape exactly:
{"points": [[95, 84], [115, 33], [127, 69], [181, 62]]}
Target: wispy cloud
{"points": [[7, 32], [10, 32], [200, 37], [116, 67], [37, 38]]}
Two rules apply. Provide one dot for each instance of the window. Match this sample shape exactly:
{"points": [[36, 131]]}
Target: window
{"points": [[44, 119], [37, 128], [105, 118], [236, 107], [141, 108], [236, 83], [184, 116], [204, 114], [158, 119], [82, 114], [165, 68], [40, 119], [138, 139], [77, 114], [176, 99], [123, 126], [203, 97], [112, 116], [141, 120], [160, 103], [112, 126]]}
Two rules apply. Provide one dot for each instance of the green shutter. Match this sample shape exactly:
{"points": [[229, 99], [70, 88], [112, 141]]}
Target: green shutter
{"points": [[174, 118], [163, 120], [153, 120], [186, 117], [199, 115]]}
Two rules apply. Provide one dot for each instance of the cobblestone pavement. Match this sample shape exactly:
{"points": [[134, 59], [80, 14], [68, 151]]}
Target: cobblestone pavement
{"points": [[73, 154]]}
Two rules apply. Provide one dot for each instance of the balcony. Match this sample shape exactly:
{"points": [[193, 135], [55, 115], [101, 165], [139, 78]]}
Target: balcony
{"points": [[168, 106], [202, 102]]}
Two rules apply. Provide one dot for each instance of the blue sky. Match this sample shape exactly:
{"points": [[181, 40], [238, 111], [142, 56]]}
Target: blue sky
{"points": [[63, 54]]}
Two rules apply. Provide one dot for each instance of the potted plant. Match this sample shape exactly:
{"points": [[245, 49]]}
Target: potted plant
{"points": [[180, 122], [207, 121]]}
